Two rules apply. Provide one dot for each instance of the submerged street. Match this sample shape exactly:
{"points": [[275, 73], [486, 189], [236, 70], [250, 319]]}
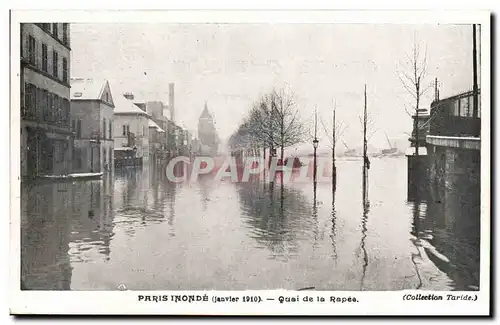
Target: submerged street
{"points": [[142, 232]]}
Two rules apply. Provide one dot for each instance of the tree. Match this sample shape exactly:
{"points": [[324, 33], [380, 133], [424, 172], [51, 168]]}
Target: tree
{"points": [[334, 134], [285, 121], [412, 75]]}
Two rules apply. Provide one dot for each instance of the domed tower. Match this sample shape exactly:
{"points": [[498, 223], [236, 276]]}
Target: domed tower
{"points": [[206, 130]]}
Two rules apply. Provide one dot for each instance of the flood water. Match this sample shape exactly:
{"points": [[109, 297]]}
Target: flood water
{"points": [[138, 230]]}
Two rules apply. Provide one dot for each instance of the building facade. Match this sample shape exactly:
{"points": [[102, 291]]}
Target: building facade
{"points": [[92, 123], [131, 129], [46, 137]]}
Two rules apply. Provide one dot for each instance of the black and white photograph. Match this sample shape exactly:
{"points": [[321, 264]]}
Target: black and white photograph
{"points": [[243, 165]]}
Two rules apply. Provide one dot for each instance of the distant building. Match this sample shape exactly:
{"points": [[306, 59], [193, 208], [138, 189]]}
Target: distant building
{"points": [[46, 137], [156, 136], [156, 110], [207, 133], [131, 129], [92, 122]]}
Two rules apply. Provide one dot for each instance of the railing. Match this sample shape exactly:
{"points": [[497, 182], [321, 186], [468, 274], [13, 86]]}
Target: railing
{"points": [[454, 117]]}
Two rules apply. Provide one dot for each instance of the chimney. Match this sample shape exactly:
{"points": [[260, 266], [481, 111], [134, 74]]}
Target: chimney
{"points": [[171, 102], [129, 96]]}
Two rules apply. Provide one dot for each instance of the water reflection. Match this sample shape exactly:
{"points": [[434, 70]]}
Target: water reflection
{"points": [[61, 224], [364, 220], [446, 227], [279, 217], [138, 200], [334, 222]]}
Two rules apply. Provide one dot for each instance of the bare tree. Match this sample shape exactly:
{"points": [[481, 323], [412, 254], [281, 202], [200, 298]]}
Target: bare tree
{"points": [[334, 133], [286, 122], [412, 75], [273, 121]]}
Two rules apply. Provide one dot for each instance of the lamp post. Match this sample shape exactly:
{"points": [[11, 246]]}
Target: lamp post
{"points": [[315, 145]]}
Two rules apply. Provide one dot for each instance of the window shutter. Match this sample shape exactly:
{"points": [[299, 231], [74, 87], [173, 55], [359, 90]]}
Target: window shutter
{"points": [[50, 54], [38, 62], [25, 50]]}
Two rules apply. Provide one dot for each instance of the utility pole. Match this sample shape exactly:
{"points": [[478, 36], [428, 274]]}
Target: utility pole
{"points": [[474, 68], [334, 143], [436, 90], [315, 141], [366, 162]]}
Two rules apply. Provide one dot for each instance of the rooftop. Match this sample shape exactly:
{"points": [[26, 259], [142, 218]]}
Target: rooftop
{"points": [[87, 88], [152, 124], [205, 112], [127, 106]]}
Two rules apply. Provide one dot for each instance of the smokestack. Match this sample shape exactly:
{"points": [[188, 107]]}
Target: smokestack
{"points": [[171, 102], [129, 96]]}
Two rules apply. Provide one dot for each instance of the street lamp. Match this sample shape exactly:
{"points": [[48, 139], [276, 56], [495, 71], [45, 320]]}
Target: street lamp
{"points": [[315, 145], [315, 142]]}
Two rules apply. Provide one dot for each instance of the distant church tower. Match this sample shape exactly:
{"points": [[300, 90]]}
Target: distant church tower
{"points": [[206, 130]]}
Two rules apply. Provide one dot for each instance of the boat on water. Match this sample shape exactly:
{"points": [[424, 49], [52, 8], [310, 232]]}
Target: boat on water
{"points": [[389, 151], [392, 151]]}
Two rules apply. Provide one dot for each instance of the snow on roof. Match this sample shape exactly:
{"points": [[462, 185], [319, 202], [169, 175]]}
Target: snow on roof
{"points": [[86, 88], [126, 106], [152, 124]]}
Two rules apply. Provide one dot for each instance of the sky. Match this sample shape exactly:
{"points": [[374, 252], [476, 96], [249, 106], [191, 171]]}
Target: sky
{"points": [[231, 65]]}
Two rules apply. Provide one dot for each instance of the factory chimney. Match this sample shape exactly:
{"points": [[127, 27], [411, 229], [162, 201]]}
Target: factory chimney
{"points": [[171, 102]]}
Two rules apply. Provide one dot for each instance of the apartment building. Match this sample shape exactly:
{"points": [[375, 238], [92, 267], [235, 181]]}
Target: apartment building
{"points": [[46, 137]]}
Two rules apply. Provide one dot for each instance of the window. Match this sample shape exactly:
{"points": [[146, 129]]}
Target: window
{"points": [[65, 33], [465, 107], [107, 98], [104, 158], [78, 156], [65, 112], [44, 57], [36, 102], [50, 109], [65, 70], [110, 130], [104, 129], [125, 129], [57, 109], [26, 98], [31, 49], [79, 128], [456, 108], [55, 59], [73, 125], [43, 103], [54, 30], [479, 105]]}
